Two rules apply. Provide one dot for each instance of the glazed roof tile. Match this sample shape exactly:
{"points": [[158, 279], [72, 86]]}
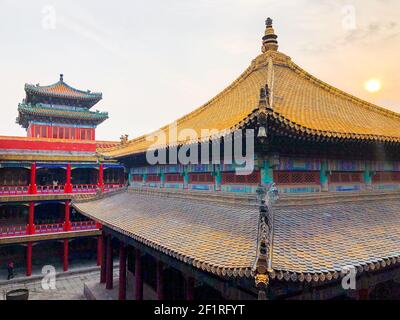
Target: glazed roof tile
{"points": [[298, 100], [39, 110], [314, 238], [62, 90]]}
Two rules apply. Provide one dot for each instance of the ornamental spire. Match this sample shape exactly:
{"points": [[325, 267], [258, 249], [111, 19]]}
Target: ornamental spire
{"points": [[61, 77], [270, 41]]}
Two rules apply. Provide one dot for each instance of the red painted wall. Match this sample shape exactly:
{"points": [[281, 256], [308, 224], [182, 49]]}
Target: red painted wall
{"points": [[33, 144]]}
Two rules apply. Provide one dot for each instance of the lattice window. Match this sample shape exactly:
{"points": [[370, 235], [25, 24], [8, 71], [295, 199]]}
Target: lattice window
{"points": [[201, 178], [14, 177], [386, 177], [173, 177], [346, 177], [297, 177], [153, 178], [137, 178], [44, 132], [233, 178]]}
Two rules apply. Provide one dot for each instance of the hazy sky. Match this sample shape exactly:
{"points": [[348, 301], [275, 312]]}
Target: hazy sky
{"points": [[157, 60]]}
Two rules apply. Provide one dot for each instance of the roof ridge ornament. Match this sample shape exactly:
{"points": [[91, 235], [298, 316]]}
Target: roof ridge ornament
{"points": [[270, 83], [61, 77], [265, 100], [263, 263], [270, 41]]}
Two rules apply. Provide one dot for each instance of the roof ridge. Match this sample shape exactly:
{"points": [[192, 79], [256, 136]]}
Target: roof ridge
{"points": [[334, 134], [88, 92], [28, 107], [42, 106], [341, 93]]}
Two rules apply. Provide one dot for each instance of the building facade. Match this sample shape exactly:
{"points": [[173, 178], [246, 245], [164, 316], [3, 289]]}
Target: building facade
{"points": [[333, 159], [40, 174]]}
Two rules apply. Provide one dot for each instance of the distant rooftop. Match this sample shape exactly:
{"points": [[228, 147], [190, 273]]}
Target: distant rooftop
{"points": [[61, 91]]}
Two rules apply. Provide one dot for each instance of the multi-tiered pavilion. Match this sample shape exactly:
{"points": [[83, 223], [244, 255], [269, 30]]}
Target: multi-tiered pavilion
{"points": [[195, 230], [40, 173]]}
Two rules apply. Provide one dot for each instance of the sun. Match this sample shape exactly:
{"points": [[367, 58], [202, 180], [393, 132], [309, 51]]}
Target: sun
{"points": [[373, 85]]}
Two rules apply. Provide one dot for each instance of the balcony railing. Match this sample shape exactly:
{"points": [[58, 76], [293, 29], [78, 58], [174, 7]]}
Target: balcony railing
{"points": [[84, 188], [113, 186], [50, 189], [83, 225], [15, 231], [49, 228], [13, 190]]}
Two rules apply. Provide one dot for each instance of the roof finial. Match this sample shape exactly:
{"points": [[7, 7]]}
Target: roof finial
{"points": [[270, 41], [61, 77]]}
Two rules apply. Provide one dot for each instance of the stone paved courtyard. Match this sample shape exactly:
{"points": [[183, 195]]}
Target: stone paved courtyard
{"points": [[68, 286]]}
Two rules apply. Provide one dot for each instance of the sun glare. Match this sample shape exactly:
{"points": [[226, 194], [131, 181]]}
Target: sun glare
{"points": [[373, 85]]}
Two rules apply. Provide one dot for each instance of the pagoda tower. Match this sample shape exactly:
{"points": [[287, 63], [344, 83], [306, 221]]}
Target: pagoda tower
{"points": [[59, 111]]}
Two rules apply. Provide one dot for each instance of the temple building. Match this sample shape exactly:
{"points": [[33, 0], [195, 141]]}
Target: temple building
{"points": [[321, 204], [40, 174]]}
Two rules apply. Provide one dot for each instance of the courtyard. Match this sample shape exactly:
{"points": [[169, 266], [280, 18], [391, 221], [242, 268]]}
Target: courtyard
{"points": [[69, 286]]}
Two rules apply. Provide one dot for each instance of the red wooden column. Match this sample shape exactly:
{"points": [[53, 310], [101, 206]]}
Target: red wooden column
{"points": [[138, 275], [67, 219], [122, 272], [109, 265], [29, 260], [65, 255], [189, 288], [363, 294], [31, 219], [160, 280], [68, 185], [99, 250], [101, 177], [32, 186], [103, 266]]}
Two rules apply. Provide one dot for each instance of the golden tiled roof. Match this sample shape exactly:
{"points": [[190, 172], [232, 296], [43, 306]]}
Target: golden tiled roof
{"points": [[298, 100], [63, 90], [106, 144], [194, 231], [313, 241]]}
